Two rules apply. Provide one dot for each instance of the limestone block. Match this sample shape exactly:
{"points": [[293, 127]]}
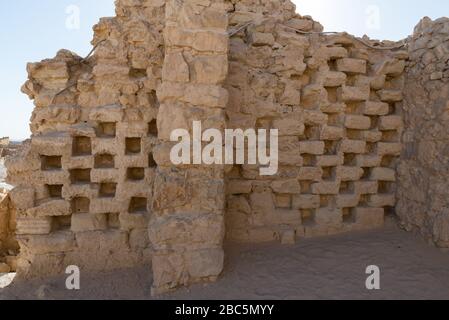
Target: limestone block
{"points": [[288, 237], [349, 173], [369, 217], [378, 82], [52, 144], [389, 149], [382, 200], [289, 127], [315, 117], [347, 200], [61, 241], [286, 187], [333, 108], [261, 39], [312, 147], [23, 197], [4, 268], [34, 226], [366, 187], [175, 68], [103, 205], [390, 123], [331, 133], [371, 136], [300, 24], [351, 65], [334, 79], [206, 95], [391, 95], [82, 222], [193, 231], [112, 113], [139, 240], [310, 174], [52, 208], [383, 174], [330, 161], [239, 204], [288, 217], [200, 40], [353, 94], [205, 263], [239, 187], [326, 188], [56, 115], [357, 122], [353, 146], [368, 161], [304, 201], [328, 217], [291, 96], [192, 17], [209, 69], [104, 175], [130, 221]]}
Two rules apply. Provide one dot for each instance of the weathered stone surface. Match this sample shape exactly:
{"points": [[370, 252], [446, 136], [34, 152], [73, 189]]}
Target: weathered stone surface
{"points": [[95, 186]]}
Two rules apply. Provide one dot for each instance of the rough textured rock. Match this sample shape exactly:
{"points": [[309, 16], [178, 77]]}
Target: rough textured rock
{"points": [[423, 198], [95, 186], [339, 131]]}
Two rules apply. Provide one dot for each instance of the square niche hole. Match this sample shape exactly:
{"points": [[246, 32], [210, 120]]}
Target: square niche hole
{"points": [[62, 223], [113, 220], [152, 128], [308, 217], [80, 176], [81, 146], [133, 145], [135, 174], [55, 191], [80, 205], [151, 162], [104, 161], [107, 190], [348, 215], [138, 205], [107, 130], [135, 73], [49, 163]]}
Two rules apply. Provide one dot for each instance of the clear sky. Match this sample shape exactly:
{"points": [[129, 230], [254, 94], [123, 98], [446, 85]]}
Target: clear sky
{"points": [[33, 30]]}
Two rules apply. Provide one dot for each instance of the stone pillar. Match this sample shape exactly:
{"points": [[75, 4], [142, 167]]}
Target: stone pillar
{"points": [[187, 226]]}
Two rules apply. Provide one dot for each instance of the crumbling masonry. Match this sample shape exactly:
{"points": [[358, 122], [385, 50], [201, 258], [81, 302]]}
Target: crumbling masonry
{"points": [[95, 186]]}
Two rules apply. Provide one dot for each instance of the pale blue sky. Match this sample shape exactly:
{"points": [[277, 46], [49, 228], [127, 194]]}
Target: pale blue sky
{"points": [[32, 30]]}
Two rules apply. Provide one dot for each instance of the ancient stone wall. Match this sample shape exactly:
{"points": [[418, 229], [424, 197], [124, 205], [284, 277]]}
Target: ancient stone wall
{"points": [[423, 199], [337, 104], [8, 246], [84, 182], [95, 185]]}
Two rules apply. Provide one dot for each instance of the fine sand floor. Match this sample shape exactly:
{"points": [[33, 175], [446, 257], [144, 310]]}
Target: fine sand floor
{"points": [[324, 268]]}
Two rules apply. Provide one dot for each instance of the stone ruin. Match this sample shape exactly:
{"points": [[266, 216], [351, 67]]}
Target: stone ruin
{"points": [[9, 247], [363, 132]]}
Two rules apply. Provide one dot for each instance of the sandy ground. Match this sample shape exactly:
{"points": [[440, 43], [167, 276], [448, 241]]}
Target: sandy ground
{"points": [[324, 268]]}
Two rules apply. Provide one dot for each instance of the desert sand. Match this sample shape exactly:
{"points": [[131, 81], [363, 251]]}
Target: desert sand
{"points": [[321, 268]]}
